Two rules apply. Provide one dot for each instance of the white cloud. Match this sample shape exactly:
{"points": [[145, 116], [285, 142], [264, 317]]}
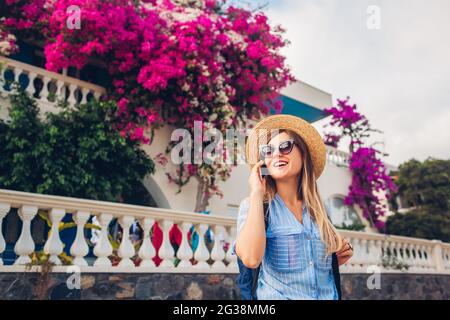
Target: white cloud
{"points": [[399, 75]]}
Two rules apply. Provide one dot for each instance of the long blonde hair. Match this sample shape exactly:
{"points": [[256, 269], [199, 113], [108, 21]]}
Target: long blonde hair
{"points": [[308, 192]]}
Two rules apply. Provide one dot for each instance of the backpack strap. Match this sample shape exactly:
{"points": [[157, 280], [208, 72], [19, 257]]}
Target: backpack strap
{"points": [[266, 213], [336, 274], [256, 270]]}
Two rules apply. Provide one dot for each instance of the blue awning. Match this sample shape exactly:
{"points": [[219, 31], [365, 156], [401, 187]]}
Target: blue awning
{"points": [[300, 109]]}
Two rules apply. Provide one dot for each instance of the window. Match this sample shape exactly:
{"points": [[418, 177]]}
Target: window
{"points": [[342, 215]]}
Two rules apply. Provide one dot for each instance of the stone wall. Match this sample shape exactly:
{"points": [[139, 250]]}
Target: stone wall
{"points": [[396, 287], [201, 286]]}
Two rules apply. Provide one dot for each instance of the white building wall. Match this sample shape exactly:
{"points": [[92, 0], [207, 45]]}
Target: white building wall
{"points": [[165, 193]]}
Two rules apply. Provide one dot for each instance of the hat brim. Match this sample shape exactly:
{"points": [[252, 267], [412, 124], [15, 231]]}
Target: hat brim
{"points": [[260, 133]]}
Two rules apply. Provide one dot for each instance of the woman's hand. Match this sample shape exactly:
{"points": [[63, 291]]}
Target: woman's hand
{"points": [[257, 183], [345, 253]]}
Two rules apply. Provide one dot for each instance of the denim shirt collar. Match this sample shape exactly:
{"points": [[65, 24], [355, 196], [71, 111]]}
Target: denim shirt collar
{"points": [[307, 224], [282, 201]]}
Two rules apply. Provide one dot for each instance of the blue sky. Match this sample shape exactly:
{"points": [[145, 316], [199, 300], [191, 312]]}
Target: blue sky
{"points": [[399, 75]]}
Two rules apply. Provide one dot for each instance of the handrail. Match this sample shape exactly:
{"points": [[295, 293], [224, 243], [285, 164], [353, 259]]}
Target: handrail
{"points": [[72, 205]]}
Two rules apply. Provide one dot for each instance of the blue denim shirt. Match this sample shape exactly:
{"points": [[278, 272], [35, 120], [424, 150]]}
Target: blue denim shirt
{"points": [[295, 265]]}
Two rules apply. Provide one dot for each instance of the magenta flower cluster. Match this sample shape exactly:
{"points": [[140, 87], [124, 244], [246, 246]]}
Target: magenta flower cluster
{"points": [[170, 62], [344, 114], [332, 139], [351, 123], [370, 180]]}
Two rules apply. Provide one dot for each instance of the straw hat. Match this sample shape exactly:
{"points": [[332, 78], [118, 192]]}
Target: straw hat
{"points": [[260, 134]]}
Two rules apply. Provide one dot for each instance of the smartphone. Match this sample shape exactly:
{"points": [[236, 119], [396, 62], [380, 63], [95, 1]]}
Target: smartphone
{"points": [[263, 170]]}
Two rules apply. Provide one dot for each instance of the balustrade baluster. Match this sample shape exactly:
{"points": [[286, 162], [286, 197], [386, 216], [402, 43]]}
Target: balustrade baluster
{"points": [[54, 246], [25, 244], [80, 247], [60, 92], [406, 257], [43, 95], [364, 255], [103, 249], [217, 252], [126, 249], [4, 209], [147, 250], [97, 95], [72, 100], [185, 252], [17, 72], [84, 94], [3, 78], [201, 253], [166, 251], [30, 89], [231, 258]]}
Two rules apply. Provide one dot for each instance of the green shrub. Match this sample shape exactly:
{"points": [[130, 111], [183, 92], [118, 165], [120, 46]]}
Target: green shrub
{"points": [[355, 226], [425, 185], [76, 152], [420, 224]]}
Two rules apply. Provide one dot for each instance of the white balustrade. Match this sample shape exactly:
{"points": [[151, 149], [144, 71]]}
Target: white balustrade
{"points": [[389, 253], [399, 253], [166, 251], [446, 256], [4, 209], [217, 252], [436, 252], [25, 244], [52, 87], [147, 250], [409, 260], [423, 265], [185, 252], [413, 262], [31, 89], [54, 246], [229, 257], [126, 248], [44, 94], [103, 249], [395, 254], [374, 249], [424, 258], [337, 157], [3, 91], [80, 247], [201, 253]]}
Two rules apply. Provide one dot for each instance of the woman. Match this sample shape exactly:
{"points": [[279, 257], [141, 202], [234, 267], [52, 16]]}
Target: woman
{"points": [[296, 249]]}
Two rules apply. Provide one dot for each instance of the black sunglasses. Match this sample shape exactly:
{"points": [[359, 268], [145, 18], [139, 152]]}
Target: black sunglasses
{"points": [[267, 150]]}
